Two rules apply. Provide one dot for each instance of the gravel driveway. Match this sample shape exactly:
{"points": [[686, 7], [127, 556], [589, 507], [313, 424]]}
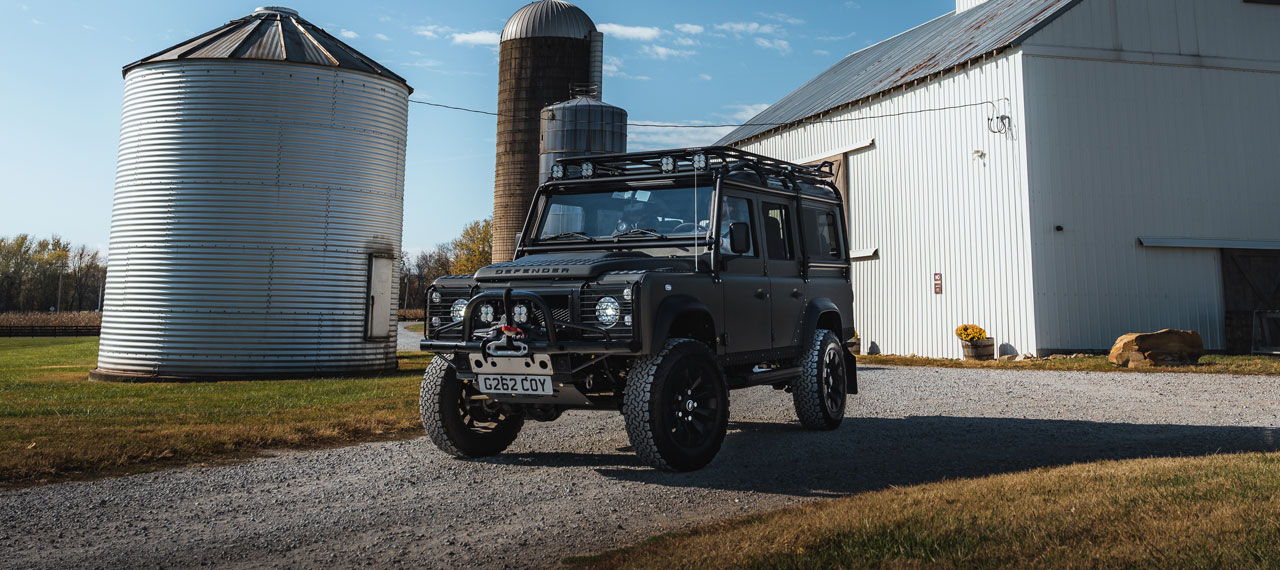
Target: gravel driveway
{"points": [[571, 487]]}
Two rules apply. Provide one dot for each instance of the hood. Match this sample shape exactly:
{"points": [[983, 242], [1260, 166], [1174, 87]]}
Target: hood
{"points": [[583, 265]]}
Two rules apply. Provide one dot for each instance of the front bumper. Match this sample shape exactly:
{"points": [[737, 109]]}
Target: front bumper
{"points": [[538, 347]]}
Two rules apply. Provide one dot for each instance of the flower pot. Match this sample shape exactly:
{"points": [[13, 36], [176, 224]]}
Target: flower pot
{"points": [[984, 349]]}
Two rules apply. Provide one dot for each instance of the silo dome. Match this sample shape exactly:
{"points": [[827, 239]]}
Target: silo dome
{"points": [[548, 19], [258, 208]]}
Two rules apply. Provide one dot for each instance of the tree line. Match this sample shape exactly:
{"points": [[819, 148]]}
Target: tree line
{"points": [[32, 271], [462, 256]]}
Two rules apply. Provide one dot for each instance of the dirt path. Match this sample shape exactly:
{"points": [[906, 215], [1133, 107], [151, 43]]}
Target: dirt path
{"points": [[571, 487]]}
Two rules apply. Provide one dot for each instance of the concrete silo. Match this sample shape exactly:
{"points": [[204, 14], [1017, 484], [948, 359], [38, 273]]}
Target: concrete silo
{"points": [[578, 127], [258, 208], [547, 48]]}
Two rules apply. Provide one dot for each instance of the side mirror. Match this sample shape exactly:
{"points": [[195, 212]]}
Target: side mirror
{"points": [[739, 237]]}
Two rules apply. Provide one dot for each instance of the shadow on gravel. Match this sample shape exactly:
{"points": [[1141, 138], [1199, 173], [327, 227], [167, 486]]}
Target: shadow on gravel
{"points": [[871, 454]]}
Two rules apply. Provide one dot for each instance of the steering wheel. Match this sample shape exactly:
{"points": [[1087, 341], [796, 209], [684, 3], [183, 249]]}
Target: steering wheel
{"points": [[683, 228]]}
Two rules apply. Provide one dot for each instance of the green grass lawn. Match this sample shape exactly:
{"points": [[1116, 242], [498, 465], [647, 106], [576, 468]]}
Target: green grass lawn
{"points": [[55, 424], [1206, 512]]}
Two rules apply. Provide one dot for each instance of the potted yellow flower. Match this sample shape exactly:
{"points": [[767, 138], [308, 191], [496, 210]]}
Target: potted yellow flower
{"points": [[977, 346]]}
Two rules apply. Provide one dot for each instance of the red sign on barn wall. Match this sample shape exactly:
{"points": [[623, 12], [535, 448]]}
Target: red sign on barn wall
{"points": [[937, 283]]}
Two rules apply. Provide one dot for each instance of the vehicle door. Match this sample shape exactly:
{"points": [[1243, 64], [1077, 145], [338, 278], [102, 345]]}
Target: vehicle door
{"points": [[744, 285], [782, 263]]}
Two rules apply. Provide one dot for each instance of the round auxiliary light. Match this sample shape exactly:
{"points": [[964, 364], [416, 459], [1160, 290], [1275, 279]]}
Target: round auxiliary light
{"points": [[668, 164], [626, 295], [588, 170], [699, 161], [435, 322], [435, 296], [608, 311], [557, 171], [458, 309], [486, 313], [626, 320], [520, 313]]}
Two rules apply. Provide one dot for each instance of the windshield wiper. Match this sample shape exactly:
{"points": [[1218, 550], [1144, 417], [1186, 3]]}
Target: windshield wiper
{"points": [[640, 232], [567, 235]]}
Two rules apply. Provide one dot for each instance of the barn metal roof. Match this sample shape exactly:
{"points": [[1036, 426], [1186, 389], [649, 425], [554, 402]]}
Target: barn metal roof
{"points": [[271, 33], [548, 19], [936, 46]]}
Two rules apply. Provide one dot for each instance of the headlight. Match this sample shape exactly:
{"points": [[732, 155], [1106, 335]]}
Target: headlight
{"points": [[520, 313], [486, 313], [608, 311], [435, 296], [435, 322], [458, 309]]}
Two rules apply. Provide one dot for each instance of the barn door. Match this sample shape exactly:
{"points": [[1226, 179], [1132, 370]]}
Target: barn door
{"points": [[1251, 286]]}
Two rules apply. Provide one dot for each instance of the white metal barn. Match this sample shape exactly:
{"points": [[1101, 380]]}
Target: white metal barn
{"points": [[1059, 172]]}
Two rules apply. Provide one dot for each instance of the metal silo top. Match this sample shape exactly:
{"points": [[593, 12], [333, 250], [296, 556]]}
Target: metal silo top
{"points": [[548, 19], [272, 33]]}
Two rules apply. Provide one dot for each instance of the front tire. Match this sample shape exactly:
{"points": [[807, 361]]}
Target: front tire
{"points": [[676, 406], [459, 419], [820, 391]]}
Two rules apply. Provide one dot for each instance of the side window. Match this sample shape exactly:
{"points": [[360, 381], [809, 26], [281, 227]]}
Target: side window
{"points": [[734, 210], [777, 232], [822, 234]]}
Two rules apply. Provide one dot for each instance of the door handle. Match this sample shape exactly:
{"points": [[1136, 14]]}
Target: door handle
{"points": [[760, 294], [795, 294]]}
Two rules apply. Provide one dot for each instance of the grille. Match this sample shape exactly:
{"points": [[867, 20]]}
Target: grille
{"points": [[441, 310]]}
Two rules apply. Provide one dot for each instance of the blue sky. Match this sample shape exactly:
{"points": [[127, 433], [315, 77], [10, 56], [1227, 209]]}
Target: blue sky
{"points": [[666, 62]]}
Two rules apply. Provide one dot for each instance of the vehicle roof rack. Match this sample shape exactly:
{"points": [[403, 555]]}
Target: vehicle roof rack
{"points": [[684, 160]]}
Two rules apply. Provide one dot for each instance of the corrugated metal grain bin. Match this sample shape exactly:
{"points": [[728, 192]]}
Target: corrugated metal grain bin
{"points": [[258, 208], [578, 127]]}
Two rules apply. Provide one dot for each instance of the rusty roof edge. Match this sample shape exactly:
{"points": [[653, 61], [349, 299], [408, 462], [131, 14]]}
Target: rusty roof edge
{"points": [[1017, 41]]}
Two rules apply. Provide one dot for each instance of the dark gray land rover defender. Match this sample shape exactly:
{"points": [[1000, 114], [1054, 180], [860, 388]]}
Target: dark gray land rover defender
{"points": [[651, 283]]}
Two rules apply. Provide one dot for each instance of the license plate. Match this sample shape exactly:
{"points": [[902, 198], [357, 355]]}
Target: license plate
{"points": [[525, 385]]}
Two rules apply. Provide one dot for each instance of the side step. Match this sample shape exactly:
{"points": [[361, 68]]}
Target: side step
{"points": [[764, 377]]}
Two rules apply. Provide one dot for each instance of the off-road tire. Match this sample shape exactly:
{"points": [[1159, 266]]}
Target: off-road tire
{"points": [[820, 391], [440, 404], [654, 416]]}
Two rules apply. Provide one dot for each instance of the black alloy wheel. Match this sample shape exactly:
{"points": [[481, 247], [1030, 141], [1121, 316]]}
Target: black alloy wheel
{"points": [[460, 419], [676, 406], [821, 389]]}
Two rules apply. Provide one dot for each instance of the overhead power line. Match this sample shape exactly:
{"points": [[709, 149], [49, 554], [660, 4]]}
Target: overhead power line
{"points": [[991, 103]]}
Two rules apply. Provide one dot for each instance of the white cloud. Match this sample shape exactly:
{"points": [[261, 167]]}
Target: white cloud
{"points": [[88, 27], [704, 77], [425, 63], [686, 42], [691, 29], [660, 52], [612, 67], [821, 52], [382, 37], [784, 18], [481, 38], [654, 138], [23, 7], [384, 19], [745, 113], [782, 46], [348, 34], [747, 28], [642, 33], [837, 38], [433, 31], [35, 21]]}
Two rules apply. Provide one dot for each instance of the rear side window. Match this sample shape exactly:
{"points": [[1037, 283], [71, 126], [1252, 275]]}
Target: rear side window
{"points": [[777, 231], [822, 234]]}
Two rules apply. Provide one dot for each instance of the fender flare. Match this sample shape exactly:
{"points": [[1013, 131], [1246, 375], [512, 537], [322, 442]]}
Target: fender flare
{"points": [[672, 308], [812, 312]]}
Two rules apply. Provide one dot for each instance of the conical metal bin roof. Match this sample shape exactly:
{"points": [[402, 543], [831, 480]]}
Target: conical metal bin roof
{"points": [[272, 33]]}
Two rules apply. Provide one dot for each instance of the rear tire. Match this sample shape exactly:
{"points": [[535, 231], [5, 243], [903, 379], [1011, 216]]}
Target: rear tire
{"points": [[459, 420], [820, 391], [676, 406]]}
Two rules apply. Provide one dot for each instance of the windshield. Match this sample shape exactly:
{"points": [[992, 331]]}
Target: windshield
{"points": [[639, 214]]}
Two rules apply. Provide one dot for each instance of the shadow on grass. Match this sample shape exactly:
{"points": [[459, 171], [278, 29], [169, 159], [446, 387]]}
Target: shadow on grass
{"points": [[871, 454]]}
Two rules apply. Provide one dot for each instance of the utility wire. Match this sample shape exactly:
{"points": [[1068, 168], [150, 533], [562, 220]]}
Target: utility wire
{"points": [[991, 103]]}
